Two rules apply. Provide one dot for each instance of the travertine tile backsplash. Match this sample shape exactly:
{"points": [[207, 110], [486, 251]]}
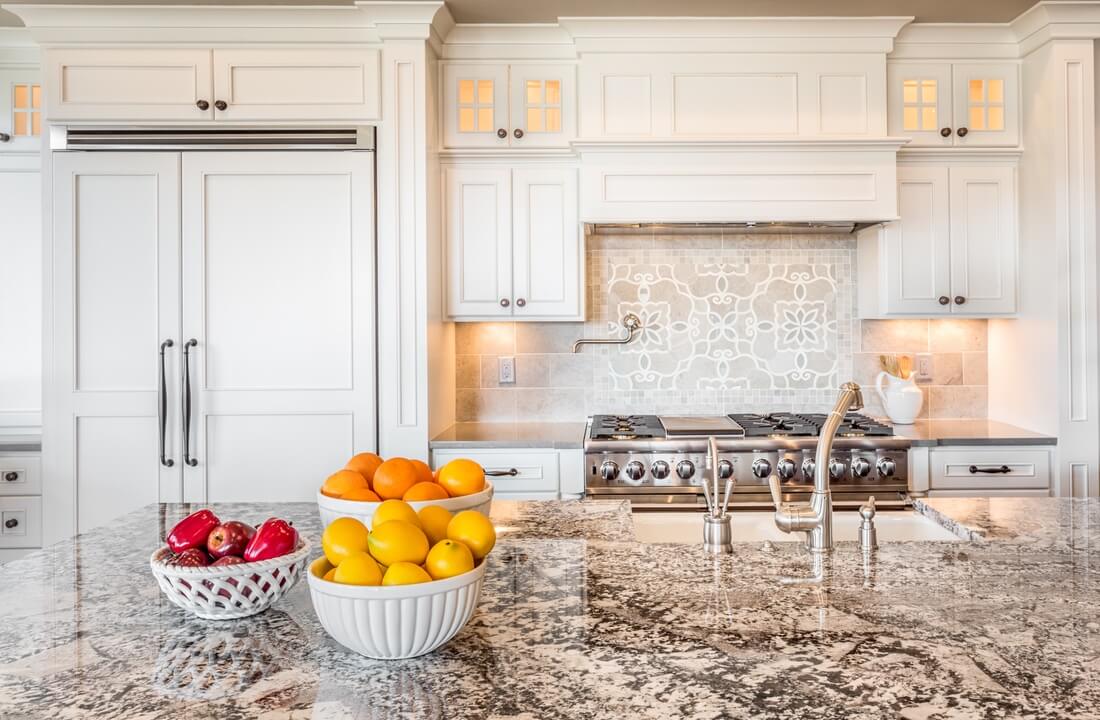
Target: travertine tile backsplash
{"points": [[733, 323]]}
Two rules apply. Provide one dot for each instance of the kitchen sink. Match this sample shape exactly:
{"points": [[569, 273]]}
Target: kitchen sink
{"points": [[687, 527]]}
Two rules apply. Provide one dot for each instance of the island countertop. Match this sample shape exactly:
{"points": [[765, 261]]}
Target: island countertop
{"points": [[577, 620]]}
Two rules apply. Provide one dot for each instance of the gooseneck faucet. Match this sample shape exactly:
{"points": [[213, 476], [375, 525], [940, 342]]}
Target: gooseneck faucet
{"points": [[815, 518]]}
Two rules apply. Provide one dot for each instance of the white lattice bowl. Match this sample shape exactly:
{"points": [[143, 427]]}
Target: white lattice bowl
{"points": [[396, 621], [332, 508], [230, 591]]}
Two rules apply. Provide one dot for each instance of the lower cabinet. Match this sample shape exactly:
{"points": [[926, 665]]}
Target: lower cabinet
{"points": [[20, 504], [525, 474], [976, 471]]}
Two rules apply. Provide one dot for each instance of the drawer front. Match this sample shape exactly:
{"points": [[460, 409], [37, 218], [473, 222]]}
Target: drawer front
{"points": [[535, 472], [20, 475], [20, 522], [990, 468]]}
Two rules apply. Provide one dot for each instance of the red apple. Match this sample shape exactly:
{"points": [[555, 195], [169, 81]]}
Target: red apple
{"points": [[229, 538], [190, 558], [227, 560]]}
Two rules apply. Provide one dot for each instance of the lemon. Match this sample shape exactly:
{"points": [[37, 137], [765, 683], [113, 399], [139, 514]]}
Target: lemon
{"points": [[474, 530], [343, 537], [398, 541], [394, 510], [448, 558], [320, 567], [405, 573], [330, 575], [358, 569], [434, 521]]}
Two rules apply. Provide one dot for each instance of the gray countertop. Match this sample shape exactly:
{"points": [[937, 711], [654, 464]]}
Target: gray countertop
{"points": [[970, 432], [559, 435], [578, 620]]}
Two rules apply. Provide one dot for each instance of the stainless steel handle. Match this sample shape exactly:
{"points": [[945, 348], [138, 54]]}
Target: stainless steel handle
{"points": [[1002, 470], [505, 302], [511, 472], [187, 459], [521, 303], [4, 137], [220, 104], [162, 405]]}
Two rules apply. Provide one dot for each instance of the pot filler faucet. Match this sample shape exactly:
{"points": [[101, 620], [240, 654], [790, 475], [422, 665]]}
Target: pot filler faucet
{"points": [[815, 518]]}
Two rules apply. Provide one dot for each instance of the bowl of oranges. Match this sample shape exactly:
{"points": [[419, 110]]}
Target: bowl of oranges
{"points": [[367, 481], [405, 586]]}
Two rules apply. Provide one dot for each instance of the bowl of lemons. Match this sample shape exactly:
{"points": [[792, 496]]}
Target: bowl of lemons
{"points": [[359, 488], [404, 586]]}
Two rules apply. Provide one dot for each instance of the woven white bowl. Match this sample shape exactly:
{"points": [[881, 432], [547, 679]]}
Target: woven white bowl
{"points": [[229, 591], [332, 508], [397, 621]]}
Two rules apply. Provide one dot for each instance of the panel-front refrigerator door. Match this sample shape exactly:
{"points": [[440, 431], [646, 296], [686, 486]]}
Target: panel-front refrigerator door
{"points": [[278, 320]]}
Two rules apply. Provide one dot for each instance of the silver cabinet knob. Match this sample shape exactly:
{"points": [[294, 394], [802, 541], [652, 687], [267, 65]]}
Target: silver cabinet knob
{"points": [[660, 470], [761, 468], [505, 302], [609, 470], [520, 302]]}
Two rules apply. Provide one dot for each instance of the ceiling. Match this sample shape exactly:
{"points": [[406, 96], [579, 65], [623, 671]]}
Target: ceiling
{"points": [[545, 11]]}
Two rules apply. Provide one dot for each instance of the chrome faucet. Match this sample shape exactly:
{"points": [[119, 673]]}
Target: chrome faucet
{"points": [[815, 518]]}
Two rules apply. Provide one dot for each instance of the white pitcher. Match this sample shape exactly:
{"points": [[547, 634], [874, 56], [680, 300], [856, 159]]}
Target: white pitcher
{"points": [[902, 399]]}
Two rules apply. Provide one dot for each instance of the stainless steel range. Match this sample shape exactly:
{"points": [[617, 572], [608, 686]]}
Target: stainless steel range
{"points": [[661, 461]]}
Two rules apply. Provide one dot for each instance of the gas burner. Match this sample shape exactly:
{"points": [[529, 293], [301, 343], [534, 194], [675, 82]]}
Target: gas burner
{"points": [[626, 427], [774, 425]]}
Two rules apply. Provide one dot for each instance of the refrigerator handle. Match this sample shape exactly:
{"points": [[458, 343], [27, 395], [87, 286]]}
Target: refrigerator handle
{"points": [[187, 459], [162, 404]]}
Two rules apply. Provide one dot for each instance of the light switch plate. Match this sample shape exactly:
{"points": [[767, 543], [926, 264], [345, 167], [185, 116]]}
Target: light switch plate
{"points": [[507, 370], [923, 371]]}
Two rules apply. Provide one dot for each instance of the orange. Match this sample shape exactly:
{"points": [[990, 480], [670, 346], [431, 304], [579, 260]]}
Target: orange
{"points": [[425, 491], [393, 478], [449, 558], [364, 494], [404, 573], [423, 472], [320, 567], [365, 464], [343, 481], [462, 477], [434, 520], [394, 510], [330, 575], [398, 541], [358, 569], [343, 537], [473, 530]]}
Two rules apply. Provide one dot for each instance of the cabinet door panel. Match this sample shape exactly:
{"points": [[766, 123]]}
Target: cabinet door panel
{"points": [[475, 106], [297, 84], [983, 239], [547, 246], [478, 242], [20, 289], [917, 248], [129, 84], [278, 292], [919, 103], [542, 105], [20, 110], [987, 104], [115, 299]]}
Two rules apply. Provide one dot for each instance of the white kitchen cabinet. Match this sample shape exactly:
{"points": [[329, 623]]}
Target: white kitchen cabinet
{"points": [[953, 250], [20, 289], [500, 106], [513, 243], [20, 110], [955, 104], [523, 474], [984, 470], [199, 85]]}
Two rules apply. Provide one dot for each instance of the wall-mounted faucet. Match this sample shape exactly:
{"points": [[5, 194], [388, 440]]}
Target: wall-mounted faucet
{"points": [[630, 321]]}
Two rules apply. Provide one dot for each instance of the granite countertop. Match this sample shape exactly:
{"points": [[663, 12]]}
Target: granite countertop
{"points": [[577, 620], [20, 440], [969, 432], [558, 435]]}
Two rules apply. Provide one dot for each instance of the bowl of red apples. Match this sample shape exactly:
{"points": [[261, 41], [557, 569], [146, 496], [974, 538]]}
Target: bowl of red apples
{"points": [[226, 570]]}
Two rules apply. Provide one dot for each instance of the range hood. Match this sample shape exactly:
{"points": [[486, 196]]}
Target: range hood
{"points": [[740, 228]]}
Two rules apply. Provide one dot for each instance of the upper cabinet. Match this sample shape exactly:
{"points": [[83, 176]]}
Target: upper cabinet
{"points": [[195, 85], [955, 104], [20, 110], [502, 106]]}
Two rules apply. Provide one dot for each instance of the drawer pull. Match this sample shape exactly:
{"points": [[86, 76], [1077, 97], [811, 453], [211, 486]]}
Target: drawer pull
{"points": [[511, 472], [11, 475], [11, 524], [1002, 470]]}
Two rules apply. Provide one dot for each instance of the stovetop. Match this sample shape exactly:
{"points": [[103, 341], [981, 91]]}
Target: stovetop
{"points": [[755, 425], [626, 427]]}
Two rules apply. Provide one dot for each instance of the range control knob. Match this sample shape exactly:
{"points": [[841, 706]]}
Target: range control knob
{"points": [[609, 470], [685, 469], [761, 468], [634, 470], [725, 469], [660, 470], [786, 468], [861, 468], [808, 468], [836, 469], [886, 467]]}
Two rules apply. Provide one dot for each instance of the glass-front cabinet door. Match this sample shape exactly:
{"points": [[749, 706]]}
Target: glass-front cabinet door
{"points": [[475, 105], [20, 111], [986, 104], [542, 107], [920, 103]]}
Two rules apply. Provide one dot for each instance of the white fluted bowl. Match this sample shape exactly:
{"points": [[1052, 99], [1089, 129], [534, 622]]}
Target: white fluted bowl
{"points": [[332, 508], [396, 621]]}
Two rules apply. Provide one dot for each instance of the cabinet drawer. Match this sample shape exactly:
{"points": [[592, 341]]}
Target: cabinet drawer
{"points": [[535, 471], [20, 522], [20, 474], [1007, 469]]}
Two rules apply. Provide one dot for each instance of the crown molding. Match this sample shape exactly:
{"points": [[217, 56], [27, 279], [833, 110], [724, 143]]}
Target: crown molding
{"points": [[507, 42], [17, 47]]}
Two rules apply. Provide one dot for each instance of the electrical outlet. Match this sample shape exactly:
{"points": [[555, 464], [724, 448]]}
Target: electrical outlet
{"points": [[923, 372], [506, 370]]}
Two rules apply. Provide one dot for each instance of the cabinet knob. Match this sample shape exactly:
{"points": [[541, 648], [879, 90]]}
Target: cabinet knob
{"points": [[202, 105], [12, 523], [11, 476], [502, 133], [945, 132], [963, 132], [959, 299], [505, 302], [4, 137], [518, 133], [521, 302], [220, 104], [944, 300]]}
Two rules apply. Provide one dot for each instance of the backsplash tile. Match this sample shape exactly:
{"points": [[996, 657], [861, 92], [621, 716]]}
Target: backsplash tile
{"points": [[732, 323]]}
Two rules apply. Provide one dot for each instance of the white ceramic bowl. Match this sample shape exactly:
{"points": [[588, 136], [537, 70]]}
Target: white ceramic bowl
{"points": [[397, 621], [332, 508]]}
